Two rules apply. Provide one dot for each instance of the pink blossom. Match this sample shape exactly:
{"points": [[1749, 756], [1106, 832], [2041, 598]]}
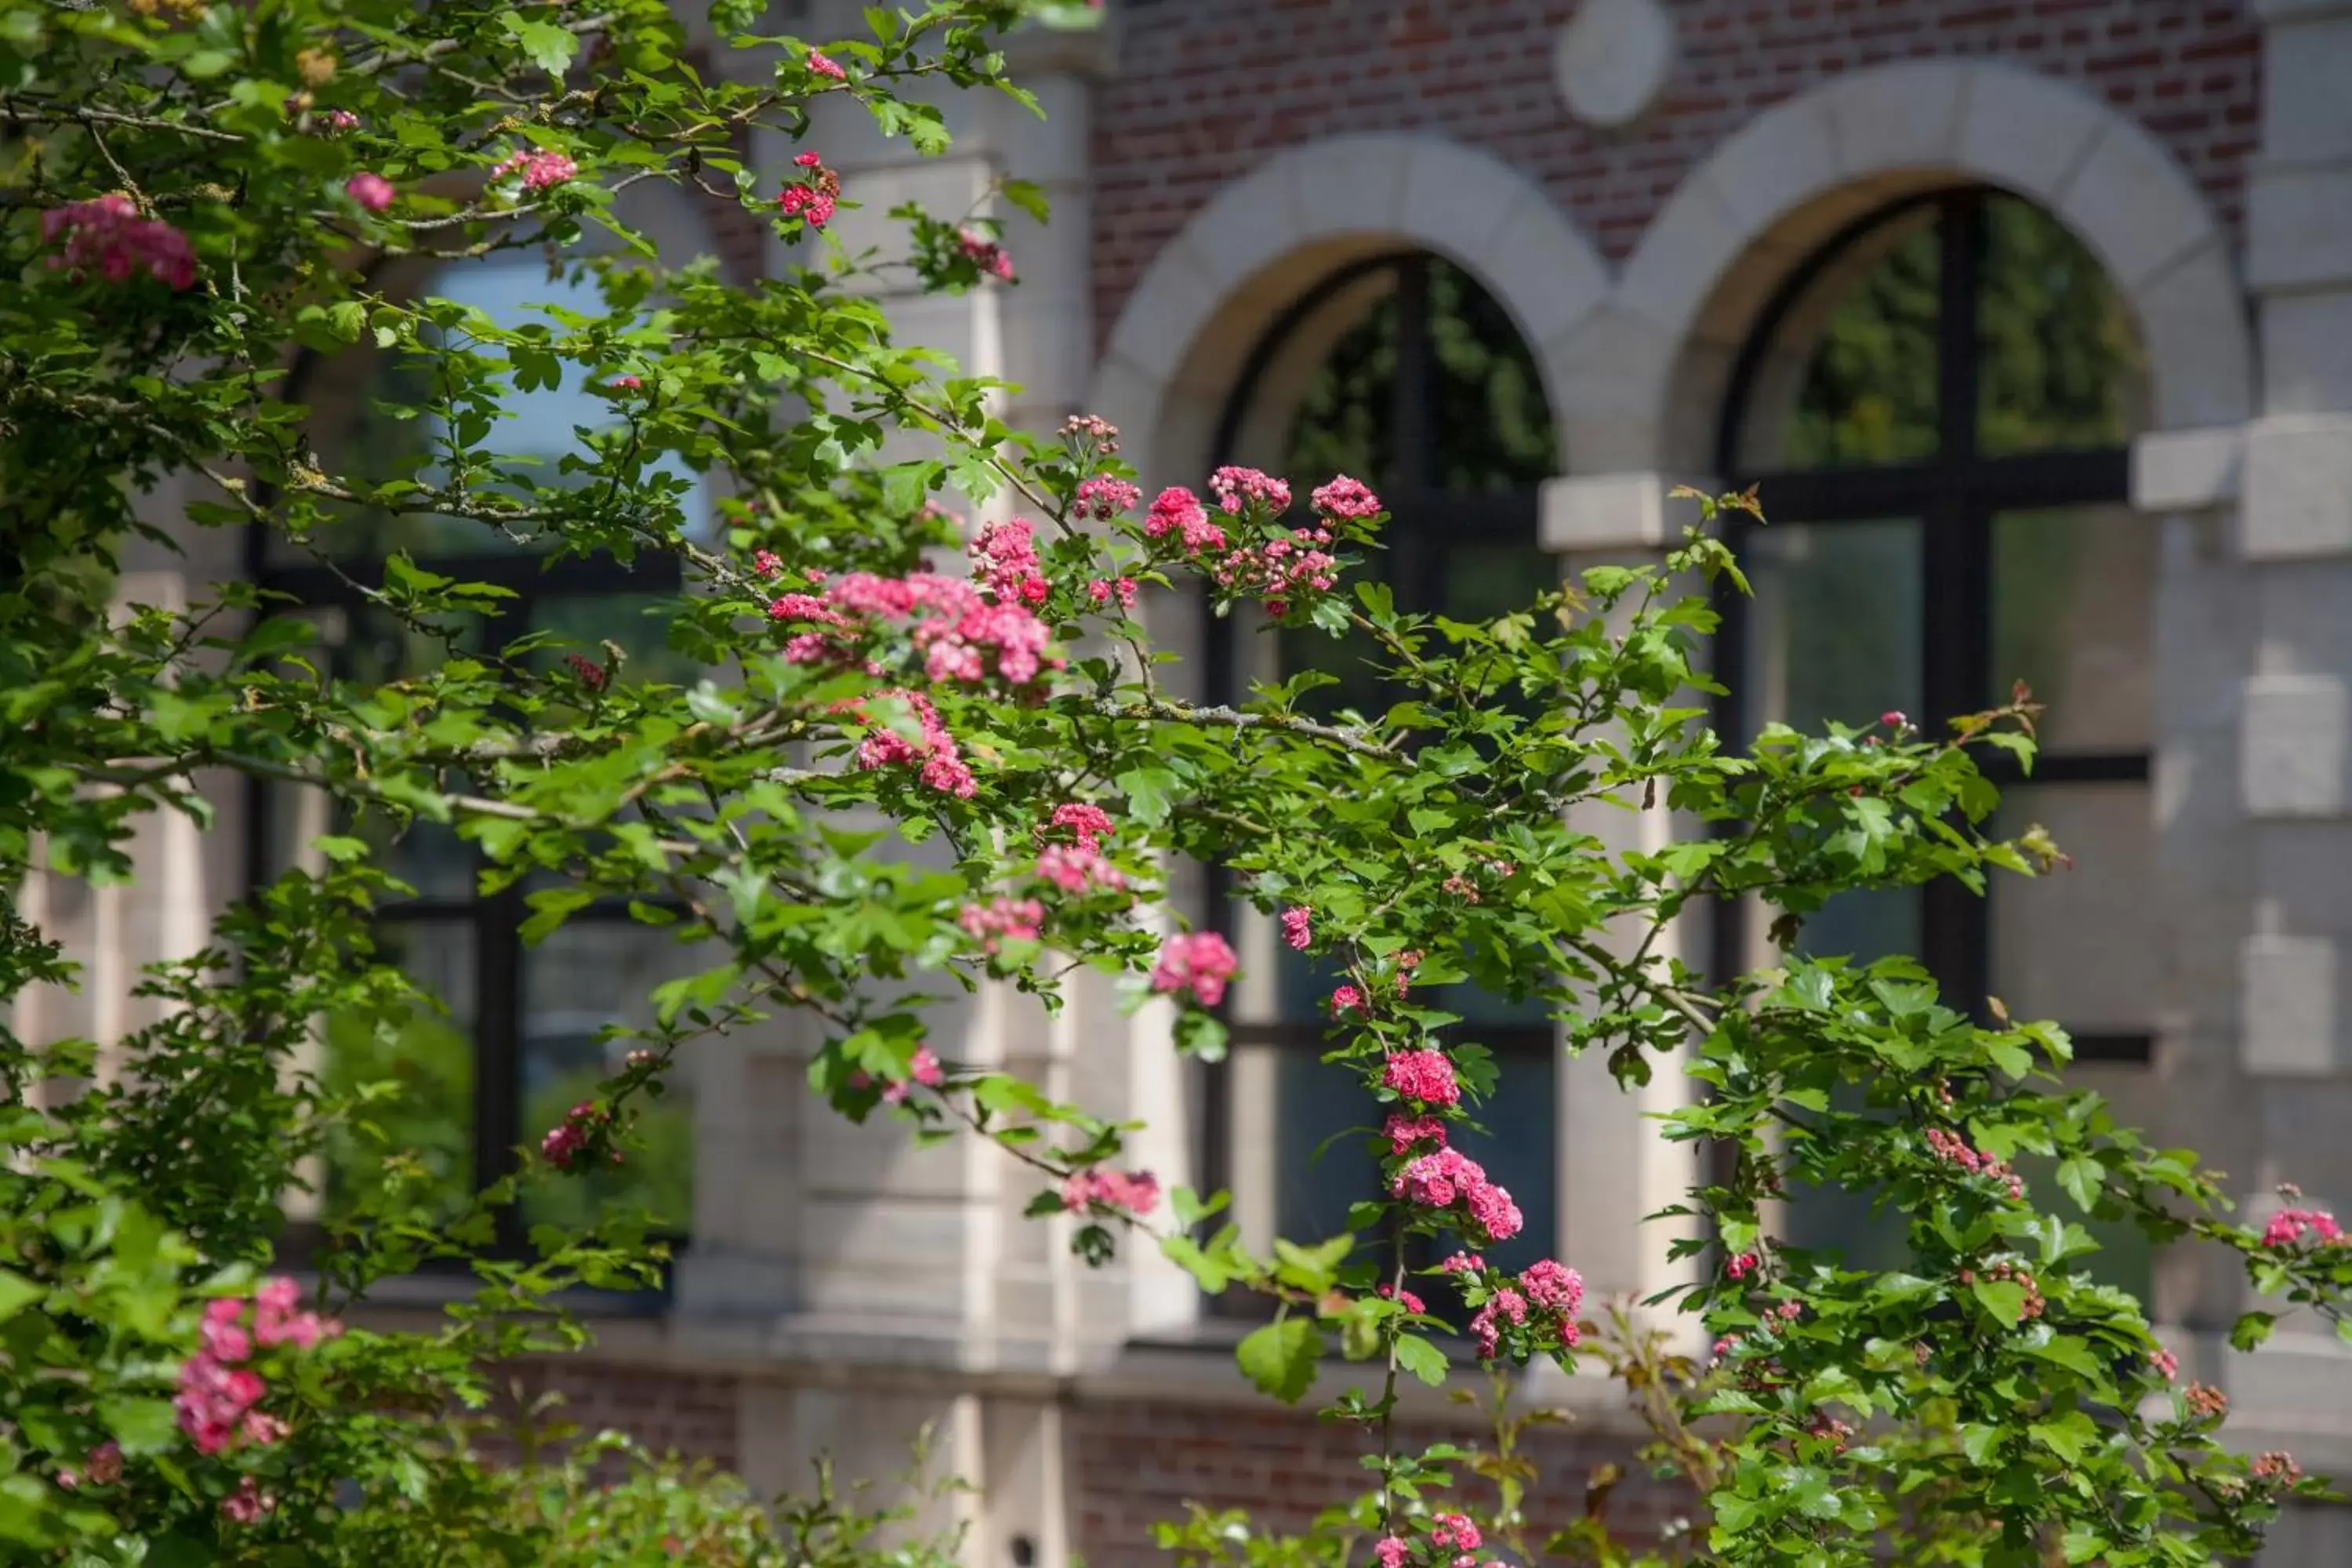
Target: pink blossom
{"points": [[1178, 511], [373, 192], [1487, 1325], [2166, 1365], [1095, 1187], [1405, 1299], [1101, 589], [216, 1397], [1237, 487], [1422, 1075], [1953, 1150], [108, 236], [809, 160], [1006, 554], [1297, 928], [568, 1140], [106, 1463], [1198, 961], [339, 121], [767, 564], [1493, 1211], [1106, 498], [1346, 999], [1741, 1266], [248, 1504], [924, 1069], [1553, 1287], [1454, 1532], [627, 384], [1464, 1263], [592, 674], [1344, 497], [2287, 1226], [1894, 719], [1404, 1132], [986, 253], [1448, 1177], [1018, 919], [1075, 867], [826, 66], [1086, 821], [807, 203], [540, 169], [937, 758], [1392, 1551]]}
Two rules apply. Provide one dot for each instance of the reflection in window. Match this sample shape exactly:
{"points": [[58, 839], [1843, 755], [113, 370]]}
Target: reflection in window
{"points": [[1415, 381], [1935, 410]]}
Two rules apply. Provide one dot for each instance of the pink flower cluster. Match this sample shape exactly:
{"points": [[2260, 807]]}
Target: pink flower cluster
{"points": [[824, 66], [248, 1504], [1281, 570], [1091, 429], [568, 1139], [768, 563], [986, 253], [1402, 1297], [1298, 928], [339, 121], [540, 169], [1404, 1132], [1087, 823], [936, 754], [989, 924], [1236, 487], [1423, 1075], [813, 202], [1075, 867], [102, 1469], [923, 1069], [1464, 1263], [1006, 556], [1454, 1532], [1448, 1177], [1953, 1150], [592, 674], [1101, 589], [1104, 498], [1741, 1266], [1198, 962], [1097, 1188], [2288, 1226], [953, 625], [1549, 1295], [1344, 497], [1346, 999], [108, 238], [217, 1396], [1177, 510], [372, 192], [2166, 1364], [1391, 1550]]}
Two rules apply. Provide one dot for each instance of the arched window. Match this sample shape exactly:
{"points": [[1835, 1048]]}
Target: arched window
{"points": [[1400, 372], [519, 1043], [1936, 410]]}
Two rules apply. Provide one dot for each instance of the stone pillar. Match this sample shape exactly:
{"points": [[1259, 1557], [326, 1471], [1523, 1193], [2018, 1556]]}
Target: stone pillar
{"points": [[1615, 1166]]}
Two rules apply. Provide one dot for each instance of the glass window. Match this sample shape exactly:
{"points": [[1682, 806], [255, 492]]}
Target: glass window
{"points": [[523, 1033], [1427, 393], [1961, 365]]}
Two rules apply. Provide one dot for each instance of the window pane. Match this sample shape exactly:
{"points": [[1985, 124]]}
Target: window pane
{"points": [[1484, 581], [1851, 379], [427, 1127], [585, 976], [1834, 628], [2073, 602], [2081, 946], [2059, 359], [639, 623]]}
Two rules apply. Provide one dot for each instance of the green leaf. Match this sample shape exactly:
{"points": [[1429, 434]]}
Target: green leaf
{"points": [[2003, 1299], [2082, 1176], [549, 46], [16, 1292], [1280, 1358], [1147, 792], [2251, 1329], [1422, 1359]]}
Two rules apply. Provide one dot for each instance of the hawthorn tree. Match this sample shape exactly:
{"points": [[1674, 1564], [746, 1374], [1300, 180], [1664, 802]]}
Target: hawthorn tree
{"points": [[196, 194]]}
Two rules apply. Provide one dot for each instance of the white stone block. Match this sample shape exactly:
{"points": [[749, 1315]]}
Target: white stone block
{"points": [[1781, 159], [1673, 281], [2187, 470], [2299, 226], [2293, 753], [1542, 271], [2298, 489], [2134, 204], [2025, 129], [2193, 323], [1353, 185], [2293, 1019], [1612, 59], [1608, 375], [2306, 113], [1167, 312], [1461, 195], [1903, 116], [1613, 512], [2307, 352]]}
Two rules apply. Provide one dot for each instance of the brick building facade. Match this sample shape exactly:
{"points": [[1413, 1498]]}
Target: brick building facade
{"points": [[1667, 202]]}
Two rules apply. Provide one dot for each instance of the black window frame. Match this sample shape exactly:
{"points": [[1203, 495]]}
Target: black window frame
{"points": [[1955, 496], [1424, 518], [498, 1020]]}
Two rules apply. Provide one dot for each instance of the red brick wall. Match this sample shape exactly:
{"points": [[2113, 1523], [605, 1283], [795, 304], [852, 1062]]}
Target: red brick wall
{"points": [[1208, 88], [1137, 1463], [690, 1414]]}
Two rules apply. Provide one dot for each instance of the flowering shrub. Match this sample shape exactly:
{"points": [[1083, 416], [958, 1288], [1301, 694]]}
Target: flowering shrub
{"points": [[209, 179]]}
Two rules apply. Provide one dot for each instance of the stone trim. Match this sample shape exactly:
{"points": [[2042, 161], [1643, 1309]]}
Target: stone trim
{"points": [[2187, 470], [1792, 176], [1603, 512], [1180, 339]]}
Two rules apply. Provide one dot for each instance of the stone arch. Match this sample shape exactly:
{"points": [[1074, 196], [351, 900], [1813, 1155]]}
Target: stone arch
{"points": [[1652, 368], [1183, 336]]}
